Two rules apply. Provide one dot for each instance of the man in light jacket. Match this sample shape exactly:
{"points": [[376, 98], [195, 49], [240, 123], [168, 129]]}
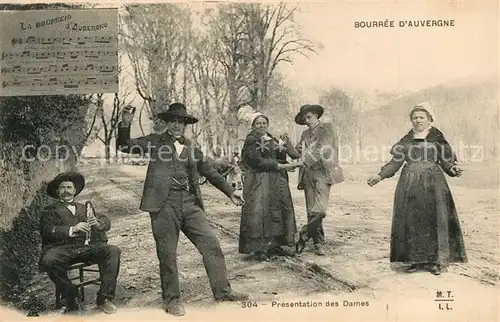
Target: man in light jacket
{"points": [[320, 169]]}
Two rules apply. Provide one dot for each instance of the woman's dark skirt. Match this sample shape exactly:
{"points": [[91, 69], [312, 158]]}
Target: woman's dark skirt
{"points": [[425, 225], [268, 218]]}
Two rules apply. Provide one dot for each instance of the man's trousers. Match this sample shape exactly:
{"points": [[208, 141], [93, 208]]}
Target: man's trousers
{"points": [[57, 259], [180, 213], [317, 194]]}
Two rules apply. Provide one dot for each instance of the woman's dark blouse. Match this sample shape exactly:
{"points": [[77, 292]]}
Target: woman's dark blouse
{"points": [[263, 155], [433, 149]]}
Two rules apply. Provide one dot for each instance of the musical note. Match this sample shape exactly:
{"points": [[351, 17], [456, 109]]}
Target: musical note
{"points": [[105, 40], [42, 55], [107, 69]]}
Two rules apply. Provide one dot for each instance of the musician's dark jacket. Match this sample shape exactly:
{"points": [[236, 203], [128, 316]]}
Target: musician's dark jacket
{"points": [[56, 220], [160, 148]]}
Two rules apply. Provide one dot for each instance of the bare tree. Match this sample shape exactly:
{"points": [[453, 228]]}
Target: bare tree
{"points": [[209, 67], [280, 105], [90, 119], [102, 121], [200, 67], [227, 36], [156, 43], [345, 118], [109, 120], [359, 120], [220, 68], [271, 38], [253, 40]]}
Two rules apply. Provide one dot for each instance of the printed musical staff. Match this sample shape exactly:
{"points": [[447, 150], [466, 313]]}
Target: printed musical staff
{"points": [[31, 40], [58, 68], [59, 58], [64, 83], [59, 54]]}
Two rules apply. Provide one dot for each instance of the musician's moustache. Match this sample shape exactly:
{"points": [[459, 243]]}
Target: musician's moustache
{"points": [[66, 194]]}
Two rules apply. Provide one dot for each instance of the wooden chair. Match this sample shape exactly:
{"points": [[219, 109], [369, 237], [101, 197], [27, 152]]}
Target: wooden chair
{"points": [[82, 268]]}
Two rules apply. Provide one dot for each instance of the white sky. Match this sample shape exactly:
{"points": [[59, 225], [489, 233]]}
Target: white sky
{"points": [[397, 59]]}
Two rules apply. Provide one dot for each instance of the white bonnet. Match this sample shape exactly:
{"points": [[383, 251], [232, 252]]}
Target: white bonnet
{"points": [[256, 115], [249, 115], [425, 106]]}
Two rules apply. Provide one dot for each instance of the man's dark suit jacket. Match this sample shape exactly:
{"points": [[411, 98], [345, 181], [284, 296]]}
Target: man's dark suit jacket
{"points": [[56, 220], [160, 148]]}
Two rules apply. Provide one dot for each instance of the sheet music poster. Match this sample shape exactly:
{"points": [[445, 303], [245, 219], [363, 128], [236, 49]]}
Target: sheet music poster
{"points": [[50, 52]]}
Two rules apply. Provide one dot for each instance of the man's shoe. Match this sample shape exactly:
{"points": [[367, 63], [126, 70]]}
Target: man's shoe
{"points": [[319, 250], [107, 307], [412, 268], [62, 310], [261, 256], [176, 309], [233, 297]]}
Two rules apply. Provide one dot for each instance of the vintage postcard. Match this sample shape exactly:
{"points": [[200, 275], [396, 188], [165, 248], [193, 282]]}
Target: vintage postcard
{"points": [[249, 161]]}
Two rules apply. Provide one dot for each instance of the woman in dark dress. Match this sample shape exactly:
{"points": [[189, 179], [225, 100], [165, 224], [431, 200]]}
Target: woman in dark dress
{"points": [[268, 217], [425, 226]]}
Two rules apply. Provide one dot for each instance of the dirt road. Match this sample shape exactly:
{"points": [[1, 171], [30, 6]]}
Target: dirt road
{"points": [[355, 269]]}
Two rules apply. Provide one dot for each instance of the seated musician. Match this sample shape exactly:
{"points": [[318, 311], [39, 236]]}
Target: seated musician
{"points": [[71, 234]]}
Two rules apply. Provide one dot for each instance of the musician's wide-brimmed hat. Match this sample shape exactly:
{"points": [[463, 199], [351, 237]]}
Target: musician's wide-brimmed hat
{"points": [[75, 177], [176, 110], [318, 109]]}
